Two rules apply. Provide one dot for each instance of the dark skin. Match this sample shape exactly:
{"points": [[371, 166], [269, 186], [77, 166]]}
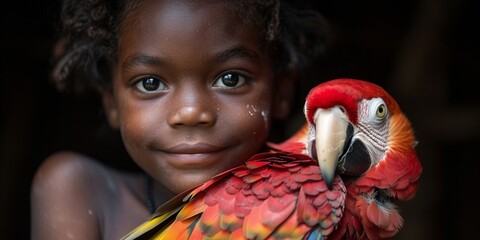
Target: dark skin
{"points": [[192, 96]]}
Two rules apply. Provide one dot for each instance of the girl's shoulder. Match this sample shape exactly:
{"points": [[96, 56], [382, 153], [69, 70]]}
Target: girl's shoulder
{"points": [[70, 172], [75, 194]]}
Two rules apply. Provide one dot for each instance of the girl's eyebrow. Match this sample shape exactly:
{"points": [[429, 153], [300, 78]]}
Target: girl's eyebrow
{"points": [[222, 56], [236, 52], [141, 59]]}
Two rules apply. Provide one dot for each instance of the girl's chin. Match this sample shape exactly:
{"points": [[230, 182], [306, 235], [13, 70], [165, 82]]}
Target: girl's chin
{"points": [[194, 162], [185, 181]]}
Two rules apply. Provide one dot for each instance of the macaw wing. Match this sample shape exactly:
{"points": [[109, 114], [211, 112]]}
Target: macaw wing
{"points": [[167, 212], [274, 195]]}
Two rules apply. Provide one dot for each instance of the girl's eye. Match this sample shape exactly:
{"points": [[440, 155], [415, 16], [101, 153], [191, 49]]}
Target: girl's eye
{"points": [[150, 85], [230, 80]]}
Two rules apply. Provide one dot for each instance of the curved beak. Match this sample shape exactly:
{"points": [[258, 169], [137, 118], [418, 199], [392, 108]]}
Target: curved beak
{"points": [[331, 126]]}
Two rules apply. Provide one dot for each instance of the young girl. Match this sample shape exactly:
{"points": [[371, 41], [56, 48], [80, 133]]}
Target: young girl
{"points": [[193, 87]]}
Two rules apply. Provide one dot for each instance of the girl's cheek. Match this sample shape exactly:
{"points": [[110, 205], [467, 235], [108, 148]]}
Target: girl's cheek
{"points": [[259, 113]]}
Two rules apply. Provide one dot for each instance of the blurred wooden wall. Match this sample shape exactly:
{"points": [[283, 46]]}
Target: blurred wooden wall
{"points": [[425, 53]]}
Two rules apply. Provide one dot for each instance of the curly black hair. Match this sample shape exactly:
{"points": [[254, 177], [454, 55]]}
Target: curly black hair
{"points": [[294, 34]]}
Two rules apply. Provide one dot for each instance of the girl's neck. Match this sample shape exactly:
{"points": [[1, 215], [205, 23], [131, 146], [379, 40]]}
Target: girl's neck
{"points": [[156, 195]]}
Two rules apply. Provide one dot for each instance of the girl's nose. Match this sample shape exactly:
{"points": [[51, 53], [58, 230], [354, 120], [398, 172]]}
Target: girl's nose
{"points": [[192, 115]]}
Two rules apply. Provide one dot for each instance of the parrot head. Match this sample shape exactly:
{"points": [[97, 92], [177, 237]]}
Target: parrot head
{"points": [[357, 129]]}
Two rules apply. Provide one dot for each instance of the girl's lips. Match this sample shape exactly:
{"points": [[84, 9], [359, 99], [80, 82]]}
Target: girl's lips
{"points": [[188, 156], [197, 148]]}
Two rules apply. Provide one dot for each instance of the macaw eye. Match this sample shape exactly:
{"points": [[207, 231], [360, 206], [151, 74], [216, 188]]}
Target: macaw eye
{"points": [[378, 110], [381, 111]]}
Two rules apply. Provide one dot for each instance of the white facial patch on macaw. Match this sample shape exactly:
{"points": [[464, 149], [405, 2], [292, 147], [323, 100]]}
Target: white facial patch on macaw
{"points": [[372, 127]]}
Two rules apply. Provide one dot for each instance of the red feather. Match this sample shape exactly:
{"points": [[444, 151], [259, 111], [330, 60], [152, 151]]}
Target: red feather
{"points": [[275, 195]]}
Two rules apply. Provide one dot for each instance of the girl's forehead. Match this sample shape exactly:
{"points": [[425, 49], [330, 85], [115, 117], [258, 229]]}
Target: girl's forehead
{"points": [[186, 33], [237, 12], [185, 19]]}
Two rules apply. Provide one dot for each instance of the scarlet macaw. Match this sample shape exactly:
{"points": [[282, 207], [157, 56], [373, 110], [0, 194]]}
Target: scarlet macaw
{"points": [[355, 129], [377, 161]]}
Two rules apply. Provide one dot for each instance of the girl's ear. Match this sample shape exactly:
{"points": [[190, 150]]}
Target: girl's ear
{"points": [[110, 108], [284, 95]]}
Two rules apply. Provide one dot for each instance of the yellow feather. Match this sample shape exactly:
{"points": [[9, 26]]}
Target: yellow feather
{"points": [[149, 225]]}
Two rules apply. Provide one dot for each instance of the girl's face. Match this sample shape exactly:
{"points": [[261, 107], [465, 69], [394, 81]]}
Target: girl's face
{"points": [[192, 91]]}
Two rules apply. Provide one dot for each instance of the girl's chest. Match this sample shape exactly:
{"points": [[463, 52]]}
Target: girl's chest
{"points": [[124, 207]]}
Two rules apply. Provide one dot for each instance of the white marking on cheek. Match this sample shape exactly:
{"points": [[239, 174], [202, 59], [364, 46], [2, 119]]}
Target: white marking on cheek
{"points": [[251, 109], [265, 115]]}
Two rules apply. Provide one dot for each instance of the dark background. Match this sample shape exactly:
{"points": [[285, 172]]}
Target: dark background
{"points": [[425, 53]]}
